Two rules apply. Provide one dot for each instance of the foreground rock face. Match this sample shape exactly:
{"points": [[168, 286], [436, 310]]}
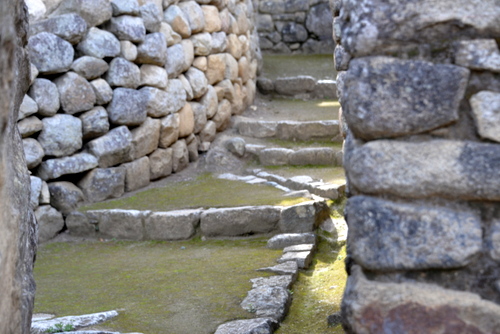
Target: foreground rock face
{"points": [[17, 225]]}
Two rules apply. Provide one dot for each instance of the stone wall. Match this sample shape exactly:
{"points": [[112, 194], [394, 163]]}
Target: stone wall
{"points": [[294, 26], [420, 93], [125, 92], [17, 224]]}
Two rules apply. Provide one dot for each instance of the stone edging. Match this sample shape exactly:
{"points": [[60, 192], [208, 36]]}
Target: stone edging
{"points": [[300, 87]]}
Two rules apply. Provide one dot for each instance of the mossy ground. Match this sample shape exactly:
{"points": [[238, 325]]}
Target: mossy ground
{"points": [[317, 294], [159, 287], [205, 191], [317, 66]]}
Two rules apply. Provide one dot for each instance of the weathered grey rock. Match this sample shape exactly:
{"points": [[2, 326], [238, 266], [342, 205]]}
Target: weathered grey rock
{"points": [[171, 36], [234, 47], [284, 281], [94, 123], [89, 67], [423, 96], [75, 92], [128, 107], [128, 50], [102, 90], [50, 222], [341, 58], [54, 168], [286, 268], [272, 302], [61, 135], [256, 129], [93, 12], [45, 194], [180, 156], [36, 9], [29, 126], [236, 146], [65, 196], [36, 189], [202, 44], [187, 87], [303, 259], [213, 22], [194, 15], [251, 326], [70, 27], [145, 138], [302, 218], [87, 320], [219, 42], [300, 248], [188, 47], [239, 221], [281, 241], [33, 152], [292, 130], [216, 64], [102, 183], [384, 29], [44, 92], [169, 131], [275, 156], [172, 225], [325, 89], [157, 101], [152, 16], [100, 44], [479, 54], [125, 7], [294, 85], [160, 163], [112, 148], [186, 121], [153, 50], [33, 73], [223, 116], [486, 108], [455, 231], [198, 82], [208, 133], [265, 85], [175, 60], [313, 156], [154, 76], [293, 32], [79, 225], [178, 20], [123, 73], [466, 169], [418, 307], [210, 102], [200, 116], [137, 174], [120, 224], [127, 28], [193, 143], [50, 53], [319, 21]]}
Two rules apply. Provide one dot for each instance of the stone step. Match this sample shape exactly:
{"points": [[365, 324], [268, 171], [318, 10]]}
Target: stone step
{"points": [[316, 156], [299, 87], [289, 130]]}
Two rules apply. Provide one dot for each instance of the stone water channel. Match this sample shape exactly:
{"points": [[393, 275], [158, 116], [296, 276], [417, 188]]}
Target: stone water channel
{"points": [[280, 160]]}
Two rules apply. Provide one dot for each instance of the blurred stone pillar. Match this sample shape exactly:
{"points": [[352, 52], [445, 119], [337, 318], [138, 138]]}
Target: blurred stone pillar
{"points": [[17, 224], [420, 93]]}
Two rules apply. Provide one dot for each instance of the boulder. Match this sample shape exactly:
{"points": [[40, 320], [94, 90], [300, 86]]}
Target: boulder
{"points": [[46, 95], [294, 33], [94, 12], [99, 43], [175, 60], [75, 92], [70, 27], [169, 130], [55, 168], [198, 82], [102, 90], [219, 42], [145, 138], [35, 191], [136, 174], [186, 121], [50, 222], [213, 22], [65, 196], [154, 76], [50, 53], [302, 218], [178, 20], [153, 50], [216, 68], [79, 225], [180, 156], [61, 135], [272, 302], [33, 152], [36, 9], [119, 224], [486, 109], [223, 116], [27, 108], [102, 183], [128, 50], [94, 123], [152, 16], [210, 102], [239, 221], [123, 73], [157, 101], [202, 44], [171, 36], [319, 21], [194, 15], [161, 163], [128, 107], [173, 225], [188, 47], [208, 133], [125, 7], [90, 67], [200, 116], [187, 87], [127, 28], [113, 148], [200, 63], [29, 126]]}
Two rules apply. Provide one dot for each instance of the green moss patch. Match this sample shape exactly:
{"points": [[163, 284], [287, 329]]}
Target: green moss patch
{"points": [[317, 294], [205, 191], [317, 66], [158, 287]]}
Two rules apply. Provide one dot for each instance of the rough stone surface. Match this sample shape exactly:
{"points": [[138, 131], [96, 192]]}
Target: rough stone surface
{"points": [[178, 20], [103, 183], [300, 218], [29, 126], [27, 108], [239, 221], [281, 241], [275, 156], [157, 101], [313, 156], [95, 123], [153, 50], [303, 259], [223, 116], [94, 12], [482, 54], [392, 236], [256, 129], [42, 326], [172, 225], [414, 307], [180, 155], [33, 152], [102, 90], [145, 138], [79, 225], [486, 108], [466, 169], [125, 7], [36, 189], [194, 15], [61, 135], [65, 196], [50, 53], [161, 163], [44, 92], [169, 130], [112, 148], [286, 268], [292, 130], [75, 92], [128, 50], [154, 76], [128, 107], [270, 302], [50, 222], [128, 28], [294, 85], [119, 224], [70, 27], [251, 326], [198, 82], [136, 174], [152, 16], [123, 73], [175, 60], [186, 121], [284, 281], [319, 21], [54, 168], [99, 43], [422, 96]]}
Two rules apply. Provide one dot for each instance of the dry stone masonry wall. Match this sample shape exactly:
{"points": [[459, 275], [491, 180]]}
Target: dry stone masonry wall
{"points": [[420, 95], [125, 92], [294, 26]]}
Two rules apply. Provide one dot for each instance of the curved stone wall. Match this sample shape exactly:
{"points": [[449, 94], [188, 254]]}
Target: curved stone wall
{"points": [[124, 92]]}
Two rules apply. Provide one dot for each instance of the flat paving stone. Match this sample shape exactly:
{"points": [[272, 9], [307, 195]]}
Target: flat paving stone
{"points": [[300, 248], [284, 281], [303, 259]]}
